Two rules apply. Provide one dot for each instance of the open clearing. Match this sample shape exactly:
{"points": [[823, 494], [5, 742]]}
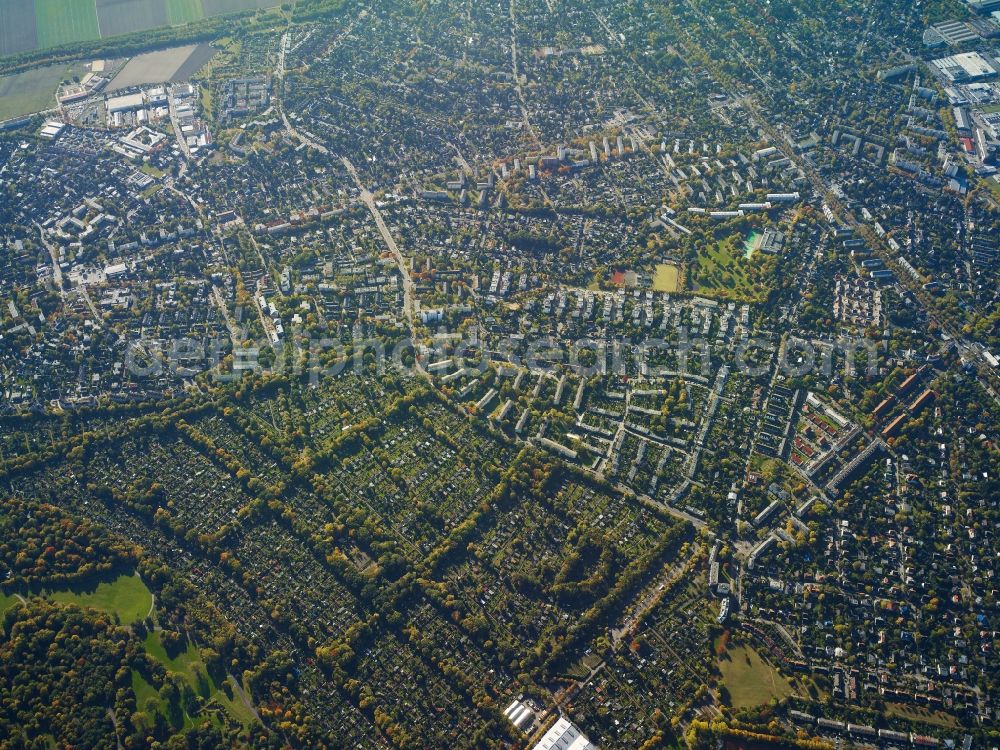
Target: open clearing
{"points": [[750, 680], [63, 21], [161, 66], [31, 91], [7, 601], [666, 278], [926, 715], [126, 596]]}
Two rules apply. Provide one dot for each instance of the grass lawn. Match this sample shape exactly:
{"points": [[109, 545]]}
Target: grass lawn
{"points": [[152, 171], [750, 680], [62, 21], [667, 278], [206, 100], [918, 713], [994, 187], [7, 601], [586, 663], [126, 596], [184, 11], [146, 696]]}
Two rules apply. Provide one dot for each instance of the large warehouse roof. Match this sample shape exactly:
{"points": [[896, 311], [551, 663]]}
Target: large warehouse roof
{"points": [[564, 735], [966, 66]]}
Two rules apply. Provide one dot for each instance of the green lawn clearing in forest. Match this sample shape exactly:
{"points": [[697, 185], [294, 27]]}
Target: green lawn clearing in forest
{"points": [[126, 596], [8, 601]]}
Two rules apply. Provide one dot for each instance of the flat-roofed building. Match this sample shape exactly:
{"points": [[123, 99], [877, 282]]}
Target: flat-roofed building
{"points": [[564, 735], [966, 66], [126, 103]]}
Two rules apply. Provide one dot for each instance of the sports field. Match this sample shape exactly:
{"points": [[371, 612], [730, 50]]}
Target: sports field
{"points": [[666, 278]]}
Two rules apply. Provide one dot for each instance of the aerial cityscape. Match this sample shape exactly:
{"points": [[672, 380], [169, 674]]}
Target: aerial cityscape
{"points": [[504, 375]]}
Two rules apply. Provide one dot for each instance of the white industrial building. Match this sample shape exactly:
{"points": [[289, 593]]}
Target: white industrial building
{"points": [[564, 735], [966, 66], [126, 103], [52, 130]]}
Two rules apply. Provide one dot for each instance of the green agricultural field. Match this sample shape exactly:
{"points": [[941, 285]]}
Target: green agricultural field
{"points": [[63, 21], [184, 11], [126, 596], [750, 680], [32, 91], [39, 24]]}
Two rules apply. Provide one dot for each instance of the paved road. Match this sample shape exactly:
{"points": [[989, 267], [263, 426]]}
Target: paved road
{"points": [[181, 140], [409, 295], [57, 276]]}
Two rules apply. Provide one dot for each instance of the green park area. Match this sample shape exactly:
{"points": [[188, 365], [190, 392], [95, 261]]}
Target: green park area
{"points": [[188, 665], [128, 598], [722, 269], [749, 680]]}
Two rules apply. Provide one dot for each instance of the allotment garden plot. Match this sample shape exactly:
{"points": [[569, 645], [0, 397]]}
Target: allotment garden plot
{"points": [[423, 481], [547, 559]]}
